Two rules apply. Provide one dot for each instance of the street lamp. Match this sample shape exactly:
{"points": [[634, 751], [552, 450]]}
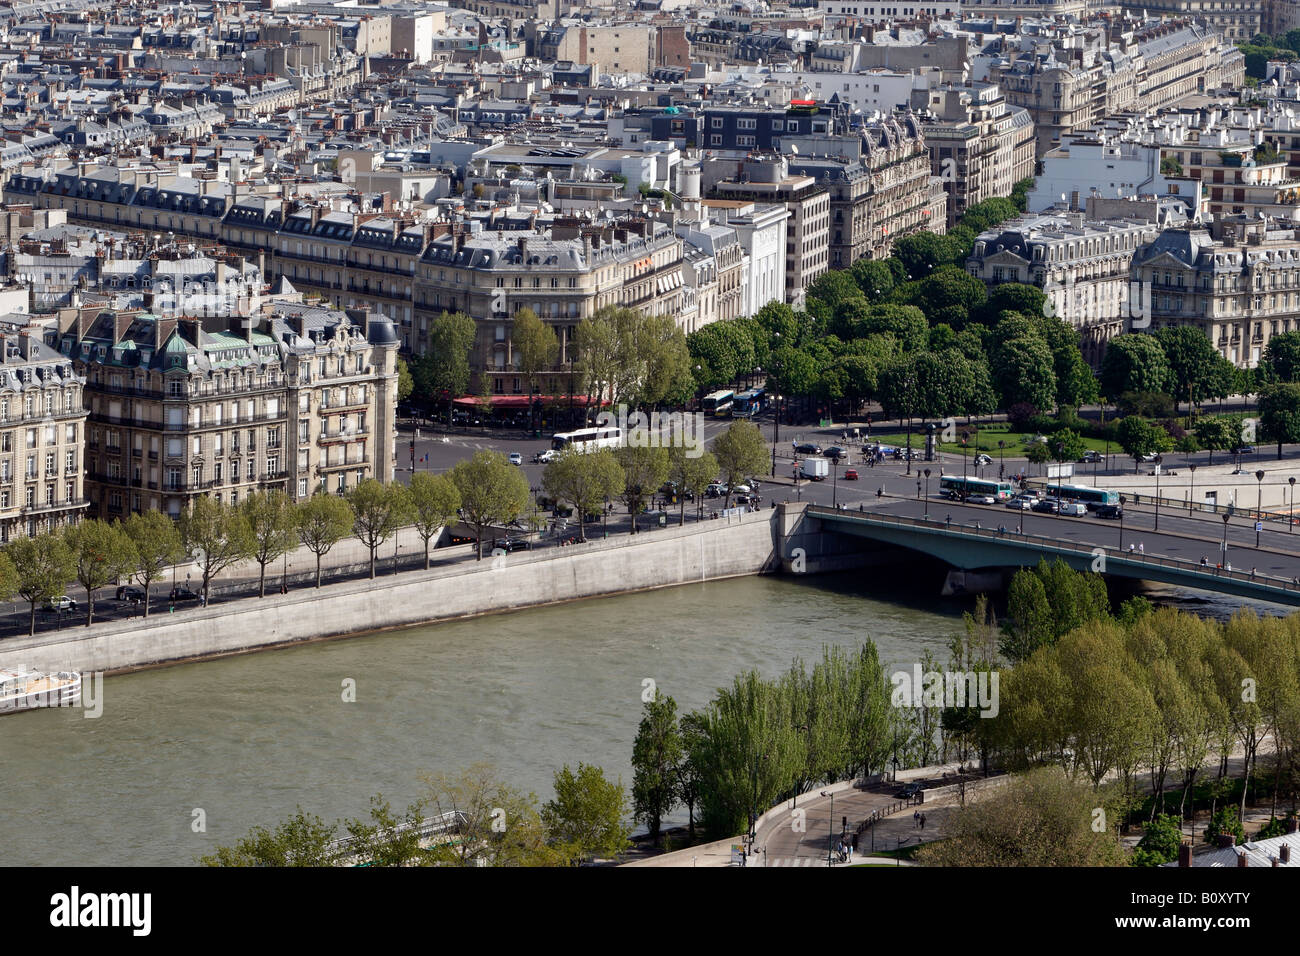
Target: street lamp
{"points": [[964, 436], [1259, 504], [776, 431], [1002, 466], [1157, 497], [1290, 518], [1122, 500], [1224, 546], [835, 466], [830, 827], [927, 491], [1191, 495]]}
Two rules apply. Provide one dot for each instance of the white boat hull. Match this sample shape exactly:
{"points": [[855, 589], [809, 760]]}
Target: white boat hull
{"points": [[59, 690]]}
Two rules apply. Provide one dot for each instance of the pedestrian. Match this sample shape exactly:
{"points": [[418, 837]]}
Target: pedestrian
{"points": [[916, 818], [1252, 573], [923, 821], [1132, 548], [1141, 548], [851, 845], [1203, 561]]}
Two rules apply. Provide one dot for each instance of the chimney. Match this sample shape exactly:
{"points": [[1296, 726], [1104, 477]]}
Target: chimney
{"points": [[162, 331], [25, 343], [1284, 854], [1225, 840], [1242, 860], [523, 248], [1292, 824], [1184, 855]]}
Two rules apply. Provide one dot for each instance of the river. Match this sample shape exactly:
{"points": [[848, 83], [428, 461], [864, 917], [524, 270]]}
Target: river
{"points": [[187, 758]]}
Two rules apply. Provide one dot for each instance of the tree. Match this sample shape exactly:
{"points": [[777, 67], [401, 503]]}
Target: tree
{"points": [[323, 521], [1013, 297], [1282, 355], [1139, 437], [585, 480], [435, 503], [586, 818], [1279, 414], [405, 381], [158, 545], [443, 370], [496, 825], [1218, 433], [272, 519], [1135, 362], [690, 475], [217, 535], [1067, 445], [741, 452], [690, 770], [644, 472], [8, 577], [1038, 819], [383, 839], [538, 348], [1193, 363], [44, 565], [102, 553], [987, 214], [492, 491], [302, 840], [628, 357], [923, 252], [378, 511], [1023, 371], [657, 754]]}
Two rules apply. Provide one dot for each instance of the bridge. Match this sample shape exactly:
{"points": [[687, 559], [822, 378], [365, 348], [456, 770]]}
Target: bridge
{"points": [[961, 539]]}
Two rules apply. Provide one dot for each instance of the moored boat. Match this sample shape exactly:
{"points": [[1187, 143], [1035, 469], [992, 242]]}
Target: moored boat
{"points": [[22, 690]]}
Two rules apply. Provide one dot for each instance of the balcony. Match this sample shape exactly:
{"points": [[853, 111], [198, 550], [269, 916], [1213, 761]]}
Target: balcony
{"points": [[58, 505]]}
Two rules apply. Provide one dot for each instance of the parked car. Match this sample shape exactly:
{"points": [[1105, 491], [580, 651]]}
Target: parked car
{"points": [[982, 459], [1109, 511], [807, 448], [130, 593], [981, 500], [1020, 504], [836, 452], [1091, 457], [545, 457], [60, 603], [182, 593], [1150, 456], [1047, 506], [908, 791], [746, 498], [716, 490], [516, 458], [1242, 450], [851, 474], [1073, 509]]}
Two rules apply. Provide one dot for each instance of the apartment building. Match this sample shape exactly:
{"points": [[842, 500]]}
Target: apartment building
{"points": [[1082, 265], [295, 398], [1238, 282], [42, 422], [766, 178]]}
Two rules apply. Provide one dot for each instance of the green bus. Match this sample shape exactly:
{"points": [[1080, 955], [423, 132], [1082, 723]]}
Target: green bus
{"points": [[1092, 497], [958, 487]]}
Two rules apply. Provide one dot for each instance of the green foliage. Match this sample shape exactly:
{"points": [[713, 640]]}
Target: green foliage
{"points": [[741, 453], [443, 372], [1139, 437], [1040, 819], [1279, 414], [1225, 820], [586, 818], [218, 535], [1160, 843], [273, 521], [158, 546], [1195, 365], [102, 553], [586, 480], [1170, 166], [378, 510], [405, 381], [657, 754], [323, 521], [1047, 602], [1135, 362], [492, 492], [434, 503], [645, 469], [302, 840], [1023, 372], [1282, 356]]}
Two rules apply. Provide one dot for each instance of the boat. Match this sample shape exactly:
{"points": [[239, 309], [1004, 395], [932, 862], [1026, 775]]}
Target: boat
{"points": [[24, 690]]}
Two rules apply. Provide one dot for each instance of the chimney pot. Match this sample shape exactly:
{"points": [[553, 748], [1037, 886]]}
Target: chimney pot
{"points": [[1225, 840], [1184, 855]]}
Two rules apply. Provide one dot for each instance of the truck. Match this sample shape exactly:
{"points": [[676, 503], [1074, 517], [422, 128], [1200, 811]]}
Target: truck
{"points": [[815, 469]]}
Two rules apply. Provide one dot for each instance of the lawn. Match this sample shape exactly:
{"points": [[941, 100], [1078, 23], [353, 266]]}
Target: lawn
{"points": [[988, 437]]}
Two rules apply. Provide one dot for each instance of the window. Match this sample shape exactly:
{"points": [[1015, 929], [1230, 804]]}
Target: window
{"points": [[31, 438], [272, 465], [302, 488], [715, 139], [746, 124], [745, 140], [715, 122]]}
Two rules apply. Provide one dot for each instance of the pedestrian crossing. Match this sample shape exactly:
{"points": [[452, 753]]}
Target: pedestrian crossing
{"points": [[797, 861]]}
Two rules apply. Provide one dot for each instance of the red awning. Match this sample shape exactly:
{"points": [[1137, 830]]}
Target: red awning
{"points": [[521, 401]]}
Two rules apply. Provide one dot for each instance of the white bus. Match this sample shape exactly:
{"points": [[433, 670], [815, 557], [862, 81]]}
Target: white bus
{"points": [[718, 403], [588, 439]]}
